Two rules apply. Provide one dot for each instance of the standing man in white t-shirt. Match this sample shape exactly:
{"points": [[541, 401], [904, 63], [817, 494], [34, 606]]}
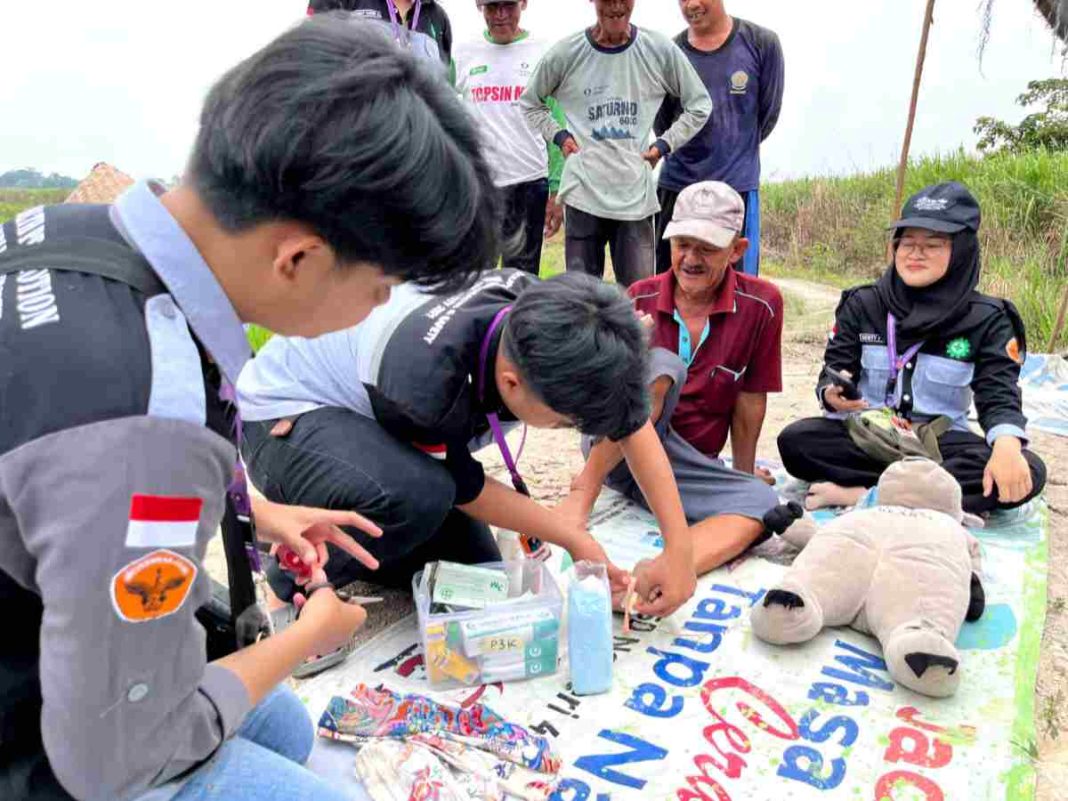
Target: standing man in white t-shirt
{"points": [[491, 73]]}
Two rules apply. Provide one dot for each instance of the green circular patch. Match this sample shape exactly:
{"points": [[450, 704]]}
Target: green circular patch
{"points": [[959, 348]]}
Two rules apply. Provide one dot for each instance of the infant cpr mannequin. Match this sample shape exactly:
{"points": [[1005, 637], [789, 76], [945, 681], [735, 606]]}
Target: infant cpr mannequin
{"points": [[904, 571]]}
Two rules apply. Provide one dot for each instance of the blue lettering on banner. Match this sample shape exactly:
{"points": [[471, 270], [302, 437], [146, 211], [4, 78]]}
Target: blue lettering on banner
{"points": [[654, 707], [821, 734], [859, 665], [804, 764], [695, 668], [702, 646], [716, 609], [808, 765], [601, 765], [655, 701], [836, 694]]}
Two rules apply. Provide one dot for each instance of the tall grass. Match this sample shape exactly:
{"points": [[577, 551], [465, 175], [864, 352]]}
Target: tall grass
{"points": [[12, 201], [833, 229], [552, 263]]}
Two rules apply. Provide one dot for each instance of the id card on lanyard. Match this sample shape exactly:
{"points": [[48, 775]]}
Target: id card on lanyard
{"points": [[532, 546], [897, 363]]}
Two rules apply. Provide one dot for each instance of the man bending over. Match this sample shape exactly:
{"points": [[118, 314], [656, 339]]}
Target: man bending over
{"points": [[382, 419]]}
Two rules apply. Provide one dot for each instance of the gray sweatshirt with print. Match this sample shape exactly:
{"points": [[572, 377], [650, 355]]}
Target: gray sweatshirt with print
{"points": [[610, 97]]}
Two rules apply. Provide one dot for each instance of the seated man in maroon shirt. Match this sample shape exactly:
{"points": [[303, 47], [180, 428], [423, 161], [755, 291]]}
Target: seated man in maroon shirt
{"points": [[716, 336]]}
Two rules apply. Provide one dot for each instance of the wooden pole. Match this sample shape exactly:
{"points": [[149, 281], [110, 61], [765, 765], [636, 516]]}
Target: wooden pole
{"points": [[1059, 325], [928, 20]]}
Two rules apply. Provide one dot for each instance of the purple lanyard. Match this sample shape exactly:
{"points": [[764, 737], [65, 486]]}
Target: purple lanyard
{"points": [[238, 489], [897, 363], [494, 420], [394, 17]]}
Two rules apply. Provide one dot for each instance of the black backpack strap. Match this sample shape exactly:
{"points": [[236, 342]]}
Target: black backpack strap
{"points": [[119, 263], [86, 255]]}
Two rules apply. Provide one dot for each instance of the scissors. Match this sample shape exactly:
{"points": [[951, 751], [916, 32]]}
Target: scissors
{"points": [[343, 595]]}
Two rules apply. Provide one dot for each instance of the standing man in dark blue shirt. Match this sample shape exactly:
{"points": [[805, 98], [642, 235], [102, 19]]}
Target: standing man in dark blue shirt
{"points": [[741, 65]]}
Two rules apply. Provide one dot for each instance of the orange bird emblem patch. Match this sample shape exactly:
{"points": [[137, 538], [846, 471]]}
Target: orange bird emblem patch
{"points": [[154, 586]]}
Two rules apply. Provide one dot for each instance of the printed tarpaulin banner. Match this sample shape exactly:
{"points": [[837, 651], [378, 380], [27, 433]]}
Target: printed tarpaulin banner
{"points": [[1044, 381], [702, 710]]}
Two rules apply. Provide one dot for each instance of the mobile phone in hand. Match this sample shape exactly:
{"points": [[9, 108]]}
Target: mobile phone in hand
{"points": [[848, 385]]}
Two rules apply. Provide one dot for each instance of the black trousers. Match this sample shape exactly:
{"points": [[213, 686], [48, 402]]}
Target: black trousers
{"points": [[337, 459], [523, 228], [629, 241], [820, 449]]}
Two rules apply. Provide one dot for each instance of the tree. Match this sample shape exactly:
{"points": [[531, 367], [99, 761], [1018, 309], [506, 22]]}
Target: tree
{"points": [[1047, 128], [30, 178], [1055, 12]]}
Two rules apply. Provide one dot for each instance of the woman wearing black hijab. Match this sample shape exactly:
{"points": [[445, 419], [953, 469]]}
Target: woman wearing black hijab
{"points": [[922, 341]]}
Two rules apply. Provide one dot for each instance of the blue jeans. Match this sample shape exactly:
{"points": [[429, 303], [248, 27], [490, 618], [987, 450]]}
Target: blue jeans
{"points": [[262, 762]]}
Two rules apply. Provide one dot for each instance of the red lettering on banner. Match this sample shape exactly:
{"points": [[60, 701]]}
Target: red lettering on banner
{"points": [[911, 746], [910, 715], [702, 763], [891, 782], [729, 741], [747, 711]]}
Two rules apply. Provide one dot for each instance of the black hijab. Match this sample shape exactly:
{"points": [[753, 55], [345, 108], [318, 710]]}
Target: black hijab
{"points": [[923, 312]]}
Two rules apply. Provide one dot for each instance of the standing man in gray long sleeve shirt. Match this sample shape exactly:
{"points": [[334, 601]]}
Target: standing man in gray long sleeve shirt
{"points": [[609, 80]]}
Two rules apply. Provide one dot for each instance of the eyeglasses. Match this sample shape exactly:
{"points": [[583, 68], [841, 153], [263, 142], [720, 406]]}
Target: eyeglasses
{"points": [[926, 248]]}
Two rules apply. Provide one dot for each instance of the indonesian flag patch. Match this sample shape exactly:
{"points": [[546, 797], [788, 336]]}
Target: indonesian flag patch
{"points": [[434, 451], [163, 521]]}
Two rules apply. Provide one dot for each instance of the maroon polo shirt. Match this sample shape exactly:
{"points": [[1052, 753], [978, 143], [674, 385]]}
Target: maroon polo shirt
{"points": [[742, 353]]}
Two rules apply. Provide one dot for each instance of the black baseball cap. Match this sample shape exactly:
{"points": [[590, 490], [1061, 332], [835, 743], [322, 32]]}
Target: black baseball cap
{"points": [[946, 208]]}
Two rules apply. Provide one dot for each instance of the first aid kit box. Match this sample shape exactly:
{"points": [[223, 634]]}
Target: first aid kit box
{"points": [[497, 621]]}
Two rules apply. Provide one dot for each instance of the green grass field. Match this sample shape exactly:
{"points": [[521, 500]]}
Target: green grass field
{"points": [[552, 263], [12, 201], [832, 230]]}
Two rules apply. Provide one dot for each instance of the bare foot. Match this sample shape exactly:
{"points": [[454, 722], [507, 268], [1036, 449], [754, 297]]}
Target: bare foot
{"points": [[827, 494]]}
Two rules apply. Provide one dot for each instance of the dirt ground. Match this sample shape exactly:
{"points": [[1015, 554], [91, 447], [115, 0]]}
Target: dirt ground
{"points": [[551, 458]]}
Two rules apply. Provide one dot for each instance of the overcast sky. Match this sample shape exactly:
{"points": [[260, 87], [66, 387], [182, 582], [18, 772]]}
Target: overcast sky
{"points": [[122, 80]]}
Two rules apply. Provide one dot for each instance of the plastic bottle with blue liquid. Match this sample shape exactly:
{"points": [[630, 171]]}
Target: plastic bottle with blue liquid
{"points": [[589, 629]]}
